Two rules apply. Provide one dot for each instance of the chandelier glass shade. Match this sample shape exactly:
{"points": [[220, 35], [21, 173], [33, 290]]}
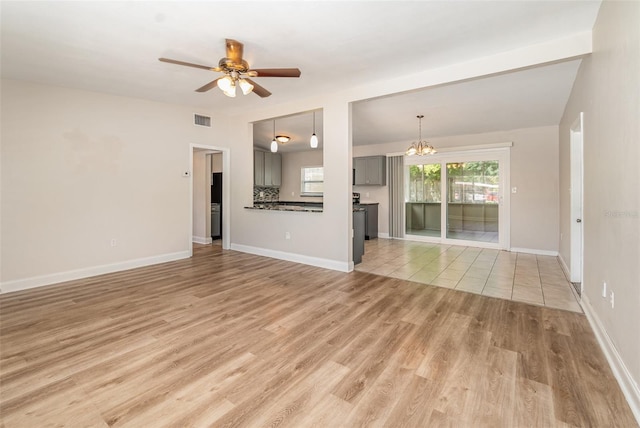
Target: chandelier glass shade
{"points": [[420, 147]]}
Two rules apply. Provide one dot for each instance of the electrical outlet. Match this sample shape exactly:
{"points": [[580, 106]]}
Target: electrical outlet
{"points": [[612, 300], [604, 289], [262, 194], [287, 235], [114, 242], [514, 190]]}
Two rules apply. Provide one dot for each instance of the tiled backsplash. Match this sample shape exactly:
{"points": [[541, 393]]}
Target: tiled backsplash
{"points": [[266, 194]]}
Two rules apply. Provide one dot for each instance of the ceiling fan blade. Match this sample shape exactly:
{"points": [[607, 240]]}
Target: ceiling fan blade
{"points": [[189, 64], [208, 86], [234, 50], [257, 89], [275, 72]]}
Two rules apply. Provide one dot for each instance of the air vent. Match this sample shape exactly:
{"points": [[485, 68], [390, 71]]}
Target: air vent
{"points": [[200, 120]]}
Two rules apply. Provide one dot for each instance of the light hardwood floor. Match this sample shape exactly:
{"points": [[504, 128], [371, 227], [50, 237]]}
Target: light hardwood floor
{"points": [[230, 339]]}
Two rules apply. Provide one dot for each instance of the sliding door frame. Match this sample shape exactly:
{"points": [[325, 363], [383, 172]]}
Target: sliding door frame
{"points": [[499, 152]]}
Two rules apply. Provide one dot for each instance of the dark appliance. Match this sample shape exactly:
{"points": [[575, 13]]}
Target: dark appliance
{"points": [[356, 198], [216, 205], [216, 188]]}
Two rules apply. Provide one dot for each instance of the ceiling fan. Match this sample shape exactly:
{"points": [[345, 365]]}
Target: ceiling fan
{"points": [[237, 72]]}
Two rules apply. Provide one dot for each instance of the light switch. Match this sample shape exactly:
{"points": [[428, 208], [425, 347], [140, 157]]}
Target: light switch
{"points": [[514, 190]]}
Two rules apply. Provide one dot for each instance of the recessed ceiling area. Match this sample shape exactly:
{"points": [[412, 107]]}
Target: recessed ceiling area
{"points": [[298, 127], [521, 99]]}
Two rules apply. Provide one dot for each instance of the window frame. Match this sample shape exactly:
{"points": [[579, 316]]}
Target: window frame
{"points": [[303, 181]]}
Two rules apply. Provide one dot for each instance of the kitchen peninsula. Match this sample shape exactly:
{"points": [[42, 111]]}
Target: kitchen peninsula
{"points": [[302, 206]]}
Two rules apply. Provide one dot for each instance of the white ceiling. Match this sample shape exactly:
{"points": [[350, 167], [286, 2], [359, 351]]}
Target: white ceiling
{"points": [[113, 47]]}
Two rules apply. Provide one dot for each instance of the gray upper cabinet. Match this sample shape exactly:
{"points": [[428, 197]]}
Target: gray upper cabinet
{"points": [[370, 171], [258, 168], [267, 169]]}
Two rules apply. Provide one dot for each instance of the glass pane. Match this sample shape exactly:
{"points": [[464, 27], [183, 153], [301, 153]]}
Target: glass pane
{"points": [[422, 205], [313, 174], [473, 200], [313, 187]]}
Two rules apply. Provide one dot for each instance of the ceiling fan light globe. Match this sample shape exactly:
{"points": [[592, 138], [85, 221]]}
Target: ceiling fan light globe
{"points": [[231, 93], [314, 141], [274, 146], [225, 83], [245, 86]]}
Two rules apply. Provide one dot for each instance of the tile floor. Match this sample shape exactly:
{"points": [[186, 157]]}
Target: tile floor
{"points": [[528, 278]]}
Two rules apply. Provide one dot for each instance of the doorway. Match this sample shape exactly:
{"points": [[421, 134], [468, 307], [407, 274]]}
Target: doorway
{"points": [[201, 176], [458, 198], [576, 177]]}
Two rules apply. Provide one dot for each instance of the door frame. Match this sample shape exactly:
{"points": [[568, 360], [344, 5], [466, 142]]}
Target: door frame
{"points": [[576, 211], [226, 194], [499, 151]]}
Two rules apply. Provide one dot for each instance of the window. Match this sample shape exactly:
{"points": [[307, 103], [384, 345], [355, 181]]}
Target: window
{"points": [[312, 181]]}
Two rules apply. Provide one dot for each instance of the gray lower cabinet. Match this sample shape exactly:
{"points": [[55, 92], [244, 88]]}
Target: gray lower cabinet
{"points": [[358, 235], [370, 171], [371, 221]]}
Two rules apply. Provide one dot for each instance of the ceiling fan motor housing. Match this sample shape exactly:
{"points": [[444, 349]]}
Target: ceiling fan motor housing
{"points": [[228, 65]]}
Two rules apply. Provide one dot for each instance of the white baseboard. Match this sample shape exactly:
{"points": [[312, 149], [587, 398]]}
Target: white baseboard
{"points": [[564, 267], [55, 278], [298, 258], [533, 251], [628, 385], [383, 235], [202, 240]]}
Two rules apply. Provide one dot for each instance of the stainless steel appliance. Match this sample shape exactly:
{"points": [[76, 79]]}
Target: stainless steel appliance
{"points": [[216, 223]]}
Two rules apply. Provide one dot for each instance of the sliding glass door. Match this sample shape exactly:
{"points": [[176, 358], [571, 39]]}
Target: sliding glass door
{"points": [[473, 201], [458, 198], [423, 206]]}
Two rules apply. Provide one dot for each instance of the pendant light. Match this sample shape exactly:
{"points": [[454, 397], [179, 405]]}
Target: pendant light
{"points": [[274, 142], [420, 147], [314, 138]]}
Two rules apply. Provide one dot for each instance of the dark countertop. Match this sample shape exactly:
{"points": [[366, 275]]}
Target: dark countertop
{"points": [[299, 206], [275, 206]]}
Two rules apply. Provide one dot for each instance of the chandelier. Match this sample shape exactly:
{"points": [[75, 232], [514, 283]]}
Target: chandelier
{"points": [[420, 147]]}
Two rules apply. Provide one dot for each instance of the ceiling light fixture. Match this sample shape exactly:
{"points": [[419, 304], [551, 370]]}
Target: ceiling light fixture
{"points": [[282, 139], [274, 142], [314, 138], [232, 80], [420, 147]]}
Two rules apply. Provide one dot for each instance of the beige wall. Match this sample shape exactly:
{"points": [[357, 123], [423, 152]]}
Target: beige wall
{"points": [[534, 171], [80, 169], [216, 162], [607, 90], [201, 227], [292, 164]]}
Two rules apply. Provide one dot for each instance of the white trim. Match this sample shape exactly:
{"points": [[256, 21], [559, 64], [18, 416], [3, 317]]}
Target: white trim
{"points": [[454, 150], [226, 194], [202, 240], [534, 251], [629, 387], [55, 278], [565, 268], [383, 235], [298, 258]]}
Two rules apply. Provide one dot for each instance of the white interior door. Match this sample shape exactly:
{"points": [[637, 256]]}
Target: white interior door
{"points": [[576, 165]]}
